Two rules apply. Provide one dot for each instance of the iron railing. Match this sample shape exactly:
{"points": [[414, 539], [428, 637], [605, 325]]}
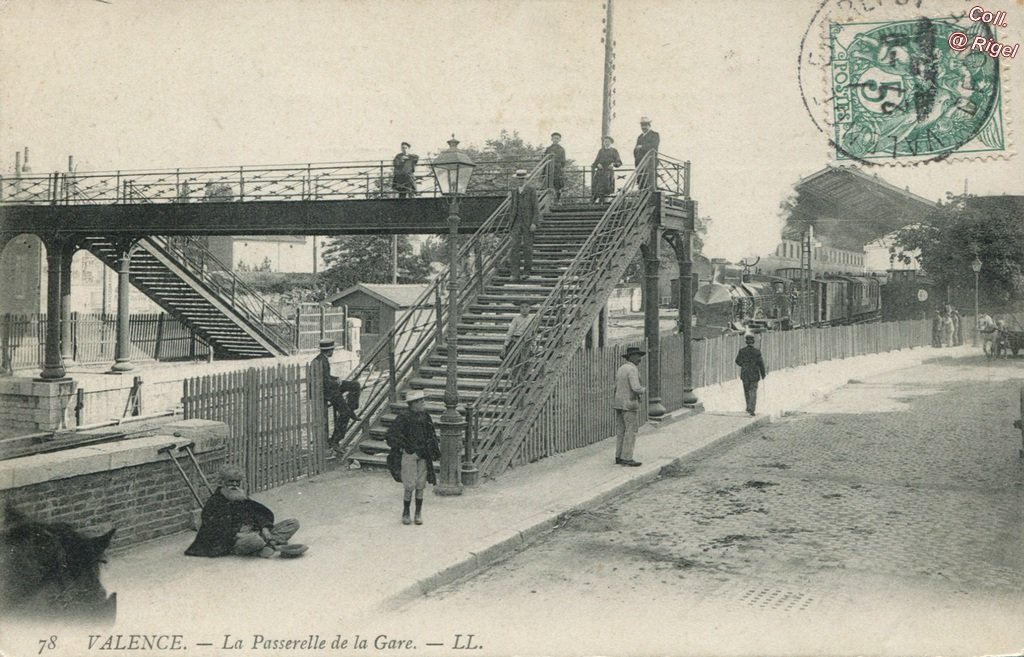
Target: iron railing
{"points": [[398, 353], [512, 398], [291, 182]]}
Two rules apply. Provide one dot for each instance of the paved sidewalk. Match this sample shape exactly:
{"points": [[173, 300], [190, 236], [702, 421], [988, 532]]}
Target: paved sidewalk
{"points": [[362, 559]]}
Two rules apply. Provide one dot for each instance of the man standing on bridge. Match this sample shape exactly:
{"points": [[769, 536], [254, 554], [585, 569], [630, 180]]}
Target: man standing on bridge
{"points": [[752, 370], [525, 214], [647, 141], [557, 154], [404, 181]]}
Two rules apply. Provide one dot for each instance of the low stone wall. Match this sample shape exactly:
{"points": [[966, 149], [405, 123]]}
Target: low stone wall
{"points": [[124, 484], [33, 405]]}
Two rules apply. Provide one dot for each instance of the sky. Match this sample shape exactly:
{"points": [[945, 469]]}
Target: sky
{"points": [[129, 84]]}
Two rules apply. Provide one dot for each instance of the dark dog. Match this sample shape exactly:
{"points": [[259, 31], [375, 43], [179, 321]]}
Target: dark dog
{"points": [[50, 571]]}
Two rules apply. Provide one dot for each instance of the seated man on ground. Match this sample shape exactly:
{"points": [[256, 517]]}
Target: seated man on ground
{"points": [[235, 524]]}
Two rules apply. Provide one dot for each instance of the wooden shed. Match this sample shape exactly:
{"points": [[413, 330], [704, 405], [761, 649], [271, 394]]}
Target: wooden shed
{"points": [[379, 305]]}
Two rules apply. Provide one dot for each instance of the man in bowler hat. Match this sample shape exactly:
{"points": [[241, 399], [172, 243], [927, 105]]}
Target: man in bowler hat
{"points": [[343, 396], [525, 213], [752, 370], [627, 405]]}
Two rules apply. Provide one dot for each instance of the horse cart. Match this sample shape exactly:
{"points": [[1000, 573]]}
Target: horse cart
{"points": [[1007, 341]]}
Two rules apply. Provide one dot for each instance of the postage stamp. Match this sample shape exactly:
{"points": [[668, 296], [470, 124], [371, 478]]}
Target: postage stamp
{"points": [[909, 91]]}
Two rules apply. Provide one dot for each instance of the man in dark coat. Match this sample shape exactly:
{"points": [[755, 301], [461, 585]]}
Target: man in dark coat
{"points": [[235, 524], [414, 448], [525, 214], [648, 140], [404, 179], [752, 370], [557, 154], [343, 396]]}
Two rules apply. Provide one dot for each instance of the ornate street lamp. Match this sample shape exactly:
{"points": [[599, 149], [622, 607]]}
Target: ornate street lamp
{"points": [[976, 267], [452, 169]]}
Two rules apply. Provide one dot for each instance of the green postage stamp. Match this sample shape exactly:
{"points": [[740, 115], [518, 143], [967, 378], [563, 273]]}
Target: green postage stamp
{"points": [[909, 91]]}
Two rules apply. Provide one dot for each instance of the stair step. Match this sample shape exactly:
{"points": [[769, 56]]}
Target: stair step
{"points": [[464, 371]]}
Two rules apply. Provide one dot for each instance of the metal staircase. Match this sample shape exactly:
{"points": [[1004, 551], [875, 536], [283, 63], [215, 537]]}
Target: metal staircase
{"points": [[188, 282], [580, 253]]}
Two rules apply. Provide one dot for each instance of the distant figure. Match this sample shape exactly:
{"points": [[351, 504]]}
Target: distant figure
{"points": [[557, 154], [404, 180], [627, 406], [947, 329], [752, 370], [235, 524], [987, 329], [517, 329], [342, 396], [958, 333], [603, 170], [414, 448], [525, 214], [937, 329], [647, 141]]}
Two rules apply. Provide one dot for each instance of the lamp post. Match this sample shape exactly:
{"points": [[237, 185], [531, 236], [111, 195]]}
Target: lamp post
{"points": [[976, 267], [452, 169]]}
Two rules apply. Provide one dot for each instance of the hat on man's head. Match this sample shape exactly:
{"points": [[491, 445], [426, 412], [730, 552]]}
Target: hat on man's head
{"points": [[414, 395], [634, 351], [405, 143], [608, 138], [749, 338], [326, 344], [520, 173], [556, 134], [644, 119], [231, 473]]}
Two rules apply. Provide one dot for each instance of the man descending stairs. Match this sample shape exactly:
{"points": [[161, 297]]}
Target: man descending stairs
{"points": [[482, 329]]}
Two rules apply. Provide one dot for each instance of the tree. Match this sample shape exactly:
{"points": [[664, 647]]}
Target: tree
{"points": [[352, 259], [962, 228]]}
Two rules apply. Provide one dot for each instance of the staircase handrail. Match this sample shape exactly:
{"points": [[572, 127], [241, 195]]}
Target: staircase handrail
{"points": [[288, 182], [509, 391], [199, 261], [409, 342]]}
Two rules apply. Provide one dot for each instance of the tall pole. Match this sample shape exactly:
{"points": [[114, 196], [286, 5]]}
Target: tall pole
{"points": [[976, 314], [394, 259], [452, 425], [53, 364], [607, 100]]}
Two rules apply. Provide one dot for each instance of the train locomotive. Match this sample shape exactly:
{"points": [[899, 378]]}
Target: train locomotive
{"points": [[737, 301]]}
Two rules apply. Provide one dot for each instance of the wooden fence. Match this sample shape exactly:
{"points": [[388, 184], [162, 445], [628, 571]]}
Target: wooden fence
{"points": [[276, 417], [314, 322], [154, 336]]}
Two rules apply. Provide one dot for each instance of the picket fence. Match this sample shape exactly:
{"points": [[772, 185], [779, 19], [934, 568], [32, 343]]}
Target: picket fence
{"points": [[154, 336], [279, 426], [276, 417]]}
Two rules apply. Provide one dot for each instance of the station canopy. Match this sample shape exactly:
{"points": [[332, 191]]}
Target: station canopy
{"points": [[849, 208]]}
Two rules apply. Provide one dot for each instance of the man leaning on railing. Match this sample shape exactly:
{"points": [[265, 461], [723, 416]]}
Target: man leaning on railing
{"points": [[342, 395]]}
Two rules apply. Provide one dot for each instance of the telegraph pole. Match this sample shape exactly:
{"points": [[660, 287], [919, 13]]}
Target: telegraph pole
{"points": [[608, 100]]}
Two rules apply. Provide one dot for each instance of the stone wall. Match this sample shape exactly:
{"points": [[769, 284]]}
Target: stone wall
{"points": [[125, 484]]}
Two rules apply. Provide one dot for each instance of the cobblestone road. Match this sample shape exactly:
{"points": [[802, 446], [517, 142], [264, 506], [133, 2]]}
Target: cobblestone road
{"points": [[888, 519]]}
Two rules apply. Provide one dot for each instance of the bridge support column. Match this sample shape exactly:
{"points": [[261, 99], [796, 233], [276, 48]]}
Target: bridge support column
{"points": [[652, 265], [122, 350], [5, 338], [53, 364], [682, 244], [67, 345]]}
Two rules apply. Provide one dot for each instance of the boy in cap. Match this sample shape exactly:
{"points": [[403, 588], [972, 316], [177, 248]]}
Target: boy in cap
{"points": [[557, 153], [525, 214], [752, 370], [627, 405], [414, 448], [404, 180], [235, 524]]}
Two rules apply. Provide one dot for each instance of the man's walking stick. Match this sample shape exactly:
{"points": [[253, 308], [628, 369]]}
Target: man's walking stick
{"points": [[168, 450], [187, 448]]}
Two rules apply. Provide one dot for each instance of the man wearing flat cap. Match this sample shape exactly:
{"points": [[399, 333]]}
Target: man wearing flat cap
{"points": [[752, 370], [235, 524], [414, 448], [404, 179], [341, 395], [627, 405], [557, 154], [525, 216]]}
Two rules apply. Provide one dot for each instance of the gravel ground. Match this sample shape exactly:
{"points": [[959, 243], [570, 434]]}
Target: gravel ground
{"points": [[886, 519]]}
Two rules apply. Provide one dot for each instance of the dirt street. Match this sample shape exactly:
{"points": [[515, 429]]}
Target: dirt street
{"points": [[887, 519]]}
